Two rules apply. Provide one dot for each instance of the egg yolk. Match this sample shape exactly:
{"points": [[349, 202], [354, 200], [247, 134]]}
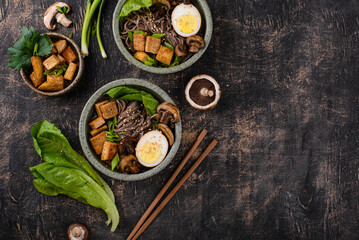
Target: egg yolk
{"points": [[149, 152], [187, 23]]}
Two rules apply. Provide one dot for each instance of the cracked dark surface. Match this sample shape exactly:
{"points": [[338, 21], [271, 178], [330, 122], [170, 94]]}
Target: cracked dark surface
{"points": [[287, 165]]}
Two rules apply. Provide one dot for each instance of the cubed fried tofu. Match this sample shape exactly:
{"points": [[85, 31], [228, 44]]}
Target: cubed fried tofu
{"points": [[98, 109], [96, 131], [38, 68], [61, 45], [109, 110], [52, 83], [141, 56], [35, 80], [70, 72], [97, 142], [97, 122], [51, 62], [139, 42], [109, 151], [152, 44], [165, 55], [69, 54], [61, 58]]}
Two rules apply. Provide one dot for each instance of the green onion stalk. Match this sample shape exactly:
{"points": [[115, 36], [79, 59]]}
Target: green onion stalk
{"points": [[98, 32], [87, 26]]}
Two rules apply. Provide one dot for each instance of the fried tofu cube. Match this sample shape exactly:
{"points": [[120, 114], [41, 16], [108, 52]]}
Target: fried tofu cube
{"points": [[38, 68], [165, 55], [141, 56], [51, 62], [61, 58], [61, 45], [139, 42], [35, 80], [96, 131], [97, 122], [98, 109], [109, 151], [52, 83], [70, 72], [97, 142], [152, 44], [109, 110], [69, 54]]}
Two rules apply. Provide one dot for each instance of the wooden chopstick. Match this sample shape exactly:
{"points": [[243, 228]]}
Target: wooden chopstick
{"points": [[169, 182], [175, 189]]}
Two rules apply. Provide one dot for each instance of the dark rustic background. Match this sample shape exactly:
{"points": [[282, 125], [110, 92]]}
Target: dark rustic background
{"points": [[287, 165]]}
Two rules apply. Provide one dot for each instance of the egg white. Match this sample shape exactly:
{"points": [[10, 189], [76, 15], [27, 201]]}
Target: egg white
{"points": [[185, 9]]}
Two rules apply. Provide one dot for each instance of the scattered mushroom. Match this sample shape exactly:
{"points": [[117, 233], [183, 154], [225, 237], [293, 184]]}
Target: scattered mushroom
{"points": [[203, 92], [171, 109], [195, 42], [181, 50], [52, 14], [77, 231], [167, 132], [130, 164]]}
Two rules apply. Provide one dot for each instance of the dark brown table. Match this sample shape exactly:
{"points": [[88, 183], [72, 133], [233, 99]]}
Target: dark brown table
{"points": [[287, 164]]}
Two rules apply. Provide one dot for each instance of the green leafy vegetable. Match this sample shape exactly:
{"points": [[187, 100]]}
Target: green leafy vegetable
{"points": [[158, 35], [169, 45], [62, 10], [140, 32], [67, 172], [115, 162], [130, 35], [133, 5], [128, 93], [30, 44]]}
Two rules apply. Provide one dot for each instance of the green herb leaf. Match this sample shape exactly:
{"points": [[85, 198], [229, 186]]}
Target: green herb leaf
{"points": [[130, 35], [115, 161], [169, 45], [64, 10], [71, 35], [133, 5], [140, 32], [158, 35], [36, 48]]}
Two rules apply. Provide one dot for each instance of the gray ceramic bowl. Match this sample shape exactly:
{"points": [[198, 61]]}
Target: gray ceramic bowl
{"points": [[75, 47], [87, 114], [207, 28]]}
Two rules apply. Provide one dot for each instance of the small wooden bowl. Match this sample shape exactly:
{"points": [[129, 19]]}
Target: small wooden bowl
{"points": [[75, 47]]}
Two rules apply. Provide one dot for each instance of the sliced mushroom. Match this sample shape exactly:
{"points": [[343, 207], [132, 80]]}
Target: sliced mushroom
{"points": [[130, 164], [181, 50], [156, 117], [171, 109], [165, 118], [167, 132], [195, 42], [52, 14], [128, 145], [77, 231]]}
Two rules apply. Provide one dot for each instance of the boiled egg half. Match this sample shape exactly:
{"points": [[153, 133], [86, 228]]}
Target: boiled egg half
{"points": [[186, 20], [152, 148]]}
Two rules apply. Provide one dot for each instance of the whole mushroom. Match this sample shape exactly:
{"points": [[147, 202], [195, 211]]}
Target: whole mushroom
{"points": [[52, 14], [130, 164], [194, 43]]}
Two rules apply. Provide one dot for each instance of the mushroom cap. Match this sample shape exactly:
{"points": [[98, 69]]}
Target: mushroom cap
{"points": [[195, 38], [217, 92], [130, 164], [80, 225], [170, 108], [51, 13], [181, 50]]}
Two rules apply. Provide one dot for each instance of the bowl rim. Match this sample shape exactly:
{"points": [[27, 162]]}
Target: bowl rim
{"points": [[87, 113], [207, 38], [74, 82]]}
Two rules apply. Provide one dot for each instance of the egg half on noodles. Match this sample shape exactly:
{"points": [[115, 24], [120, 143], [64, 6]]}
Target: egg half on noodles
{"points": [[152, 148], [186, 20]]}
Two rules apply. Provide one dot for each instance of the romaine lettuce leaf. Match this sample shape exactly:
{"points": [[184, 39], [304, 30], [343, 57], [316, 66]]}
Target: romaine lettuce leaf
{"points": [[133, 5]]}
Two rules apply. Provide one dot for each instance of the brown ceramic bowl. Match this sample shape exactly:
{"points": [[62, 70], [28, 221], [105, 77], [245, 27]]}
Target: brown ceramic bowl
{"points": [[54, 37]]}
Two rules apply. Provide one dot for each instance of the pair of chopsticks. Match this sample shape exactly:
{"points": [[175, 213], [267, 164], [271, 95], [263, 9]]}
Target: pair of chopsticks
{"points": [[146, 218]]}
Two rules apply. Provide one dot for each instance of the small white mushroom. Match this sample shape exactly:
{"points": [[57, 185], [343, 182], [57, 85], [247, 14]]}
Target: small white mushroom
{"points": [[52, 14]]}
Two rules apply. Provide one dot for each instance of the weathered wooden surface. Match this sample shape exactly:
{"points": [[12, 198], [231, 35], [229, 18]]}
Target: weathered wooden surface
{"points": [[287, 165]]}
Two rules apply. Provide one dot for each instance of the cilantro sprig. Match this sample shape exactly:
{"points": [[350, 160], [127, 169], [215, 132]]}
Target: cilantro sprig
{"points": [[62, 10], [31, 43]]}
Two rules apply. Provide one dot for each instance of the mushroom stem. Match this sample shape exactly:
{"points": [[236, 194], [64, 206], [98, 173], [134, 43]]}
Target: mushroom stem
{"points": [[63, 20], [76, 232], [206, 93]]}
